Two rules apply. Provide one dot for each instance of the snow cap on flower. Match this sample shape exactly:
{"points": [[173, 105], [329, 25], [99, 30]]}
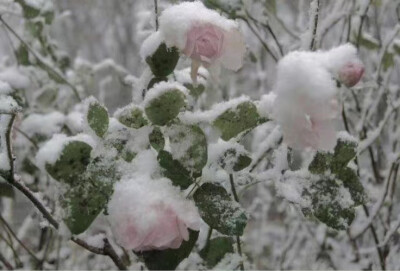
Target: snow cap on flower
{"points": [[203, 35], [306, 105], [147, 214]]}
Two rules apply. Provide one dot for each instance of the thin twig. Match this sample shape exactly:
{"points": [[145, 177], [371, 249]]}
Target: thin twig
{"points": [[156, 13], [40, 61], [315, 26], [5, 262], [235, 196], [16, 238]]}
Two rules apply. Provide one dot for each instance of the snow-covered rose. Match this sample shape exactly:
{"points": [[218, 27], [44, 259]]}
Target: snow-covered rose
{"points": [[204, 43], [205, 36], [148, 214], [351, 73]]}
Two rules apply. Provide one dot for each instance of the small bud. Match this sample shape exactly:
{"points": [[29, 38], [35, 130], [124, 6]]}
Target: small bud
{"points": [[351, 73]]}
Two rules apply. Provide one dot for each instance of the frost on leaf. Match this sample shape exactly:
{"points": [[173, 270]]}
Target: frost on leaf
{"points": [[131, 116], [165, 107], [236, 120], [219, 211], [156, 139], [163, 61], [97, 118], [338, 190], [71, 164], [189, 146]]}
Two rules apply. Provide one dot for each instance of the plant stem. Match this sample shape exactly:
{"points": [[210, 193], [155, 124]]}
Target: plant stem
{"points": [[314, 33], [39, 60], [5, 262], [156, 13], [235, 196]]}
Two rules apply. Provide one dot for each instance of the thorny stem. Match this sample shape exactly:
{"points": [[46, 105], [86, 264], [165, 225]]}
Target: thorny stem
{"points": [[39, 60], [16, 182], [235, 196]]}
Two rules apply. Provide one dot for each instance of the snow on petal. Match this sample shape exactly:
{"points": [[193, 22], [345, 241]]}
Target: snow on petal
{"points": [[203, 35], [147, 214]]}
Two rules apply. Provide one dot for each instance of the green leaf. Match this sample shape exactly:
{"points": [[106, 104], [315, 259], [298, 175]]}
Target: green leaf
{"points": [[321, 163], [174, 170], [368, 42], [169, 259], [156, 139], [219, 211], [163, 61], [351, 182], [189, 146], [234, 159], [29, 11], [132, 117], [165, 107], [387, 61], [216, 249], [22, 55], [84, 201], [72, 162], [328, 206], [6, 190], [195, 91], [97, 118], [236, 120]]}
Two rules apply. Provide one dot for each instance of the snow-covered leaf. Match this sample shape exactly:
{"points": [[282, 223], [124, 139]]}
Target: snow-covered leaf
{"points": [[97, 118], [236, 120], [165, 107], [132, 117], [219, 211], [72, 162], [156, 139], [188, 146]]}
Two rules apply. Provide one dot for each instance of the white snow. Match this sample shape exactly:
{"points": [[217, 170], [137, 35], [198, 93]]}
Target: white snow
{"points": [[150, 45], [14, 78], [176, 20], [43, 124]]}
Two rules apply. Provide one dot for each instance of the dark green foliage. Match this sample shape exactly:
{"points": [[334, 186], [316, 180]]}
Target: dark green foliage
{"points": [[216, 249], [169, 259], [174, 170], [132, 117], [163, 61]]}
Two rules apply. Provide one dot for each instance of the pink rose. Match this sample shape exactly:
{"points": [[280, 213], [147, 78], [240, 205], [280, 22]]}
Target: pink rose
{"points": [[351, 73], [147, 214], [204, 43], [166, 230]]}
